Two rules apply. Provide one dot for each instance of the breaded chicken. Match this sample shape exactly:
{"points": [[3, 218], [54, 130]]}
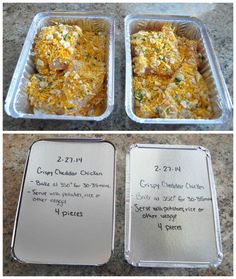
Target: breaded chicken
{"points": [[54, 47], [166, 78]]}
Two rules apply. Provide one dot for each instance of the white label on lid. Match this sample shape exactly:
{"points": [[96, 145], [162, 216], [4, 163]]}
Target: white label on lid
{"points": [[169, 207], [66, 210]]}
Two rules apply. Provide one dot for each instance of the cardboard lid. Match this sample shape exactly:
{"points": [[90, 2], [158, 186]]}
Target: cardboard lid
{"points": [[171, 207], [66, 206]]}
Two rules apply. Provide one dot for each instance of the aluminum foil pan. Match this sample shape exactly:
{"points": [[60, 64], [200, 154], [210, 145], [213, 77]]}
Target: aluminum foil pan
{"points": [[16, 103], [66, 207], [171, 212], [191, 28]]}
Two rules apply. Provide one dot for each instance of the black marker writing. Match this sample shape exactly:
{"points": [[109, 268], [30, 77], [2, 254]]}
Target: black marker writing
{"points": [[67, 213]]}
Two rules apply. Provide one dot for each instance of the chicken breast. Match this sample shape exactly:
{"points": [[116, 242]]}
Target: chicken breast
{"points": [[54, 48]]}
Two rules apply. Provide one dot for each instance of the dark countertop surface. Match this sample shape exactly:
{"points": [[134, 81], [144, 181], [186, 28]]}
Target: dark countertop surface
{"points": [[221, 148], [14, 33]]}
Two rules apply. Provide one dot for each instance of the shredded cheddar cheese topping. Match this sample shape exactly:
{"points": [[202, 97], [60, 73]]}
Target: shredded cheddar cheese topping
{"points": [[167, 82], [72, 69]]}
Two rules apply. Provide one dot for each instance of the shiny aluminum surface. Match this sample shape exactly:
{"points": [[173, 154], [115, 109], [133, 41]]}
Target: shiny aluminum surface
{"points": [[16, 103], [191, 28]]}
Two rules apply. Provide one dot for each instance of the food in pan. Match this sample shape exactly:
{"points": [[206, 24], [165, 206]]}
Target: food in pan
{"points": [[166, 78], [71, 71], [54, 47]]}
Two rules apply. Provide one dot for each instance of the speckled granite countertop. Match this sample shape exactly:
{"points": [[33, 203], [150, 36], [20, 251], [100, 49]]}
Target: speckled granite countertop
{"points": [[220, 146], [15, 32]]}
